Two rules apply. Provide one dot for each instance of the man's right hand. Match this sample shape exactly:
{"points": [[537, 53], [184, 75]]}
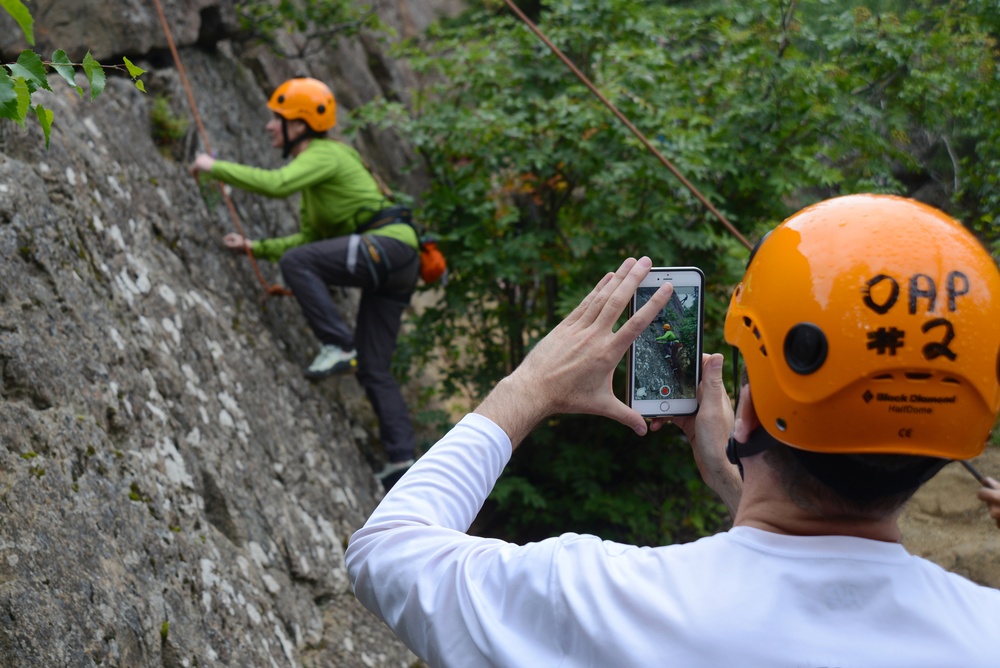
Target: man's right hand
{"points": [[570, 370], [202, 163]]}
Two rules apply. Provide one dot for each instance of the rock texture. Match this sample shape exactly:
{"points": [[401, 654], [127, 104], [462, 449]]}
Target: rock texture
{"points": [[172, 491]]}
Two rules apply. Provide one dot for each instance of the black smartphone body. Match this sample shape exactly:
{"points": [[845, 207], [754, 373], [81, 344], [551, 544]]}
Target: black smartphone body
{"points": [[664, 365]]}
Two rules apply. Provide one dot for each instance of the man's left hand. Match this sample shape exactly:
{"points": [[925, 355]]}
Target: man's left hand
{"points": [[991, 495]]}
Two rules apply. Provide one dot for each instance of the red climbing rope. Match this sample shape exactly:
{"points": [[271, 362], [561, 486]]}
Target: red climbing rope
{"points": [[642, 138], [269, 290]]}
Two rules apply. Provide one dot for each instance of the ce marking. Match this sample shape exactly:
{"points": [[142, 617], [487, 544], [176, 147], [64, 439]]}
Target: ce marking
{"points": [[905, 432]]}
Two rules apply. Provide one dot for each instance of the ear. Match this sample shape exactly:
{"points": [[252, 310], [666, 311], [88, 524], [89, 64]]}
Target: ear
{"points": [[296, 128], [746, 416]]}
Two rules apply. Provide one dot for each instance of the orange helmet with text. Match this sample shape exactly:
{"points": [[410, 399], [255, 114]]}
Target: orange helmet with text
{"points": [[871, 324], [305, 99]]}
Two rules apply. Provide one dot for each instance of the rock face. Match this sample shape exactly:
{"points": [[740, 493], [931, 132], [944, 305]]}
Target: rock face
{"points": [[172, 491]]}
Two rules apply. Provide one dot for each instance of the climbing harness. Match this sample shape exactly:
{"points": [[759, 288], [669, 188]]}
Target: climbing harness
{"points": [[269, 290], [641, 137], [433, 266]]}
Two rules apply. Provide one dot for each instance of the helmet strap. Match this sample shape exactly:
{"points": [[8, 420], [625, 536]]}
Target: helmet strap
{"points": [[289, 144], [758, 442]]}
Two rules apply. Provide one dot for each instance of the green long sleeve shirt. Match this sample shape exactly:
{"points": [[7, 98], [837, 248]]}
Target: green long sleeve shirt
{"points": [[666, 337], [337, 193]]}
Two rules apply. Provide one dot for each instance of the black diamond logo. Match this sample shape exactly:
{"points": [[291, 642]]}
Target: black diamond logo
{"points": [[867, 396]]}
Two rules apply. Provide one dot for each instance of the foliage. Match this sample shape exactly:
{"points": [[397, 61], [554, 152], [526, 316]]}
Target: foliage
{"points": [[168, 127], [538, 190], [22, 79], [316, 23]]}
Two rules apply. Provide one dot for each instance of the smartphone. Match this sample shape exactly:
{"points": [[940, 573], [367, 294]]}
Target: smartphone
{"points": [[664, 366]]}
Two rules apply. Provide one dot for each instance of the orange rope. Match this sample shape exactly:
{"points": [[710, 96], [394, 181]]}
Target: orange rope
{"points": [[269, 289], [628, 124]]}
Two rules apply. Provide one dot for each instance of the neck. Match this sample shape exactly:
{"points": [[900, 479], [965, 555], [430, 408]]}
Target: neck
{"points": [[765, 505], [301, 146], [792, 523]]}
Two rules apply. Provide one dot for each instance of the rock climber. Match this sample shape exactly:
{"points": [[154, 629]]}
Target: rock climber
{"points": [[349, 235]]}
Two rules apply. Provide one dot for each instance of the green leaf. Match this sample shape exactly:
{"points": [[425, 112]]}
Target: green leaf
{"points": [[23, 17], [61, 64], [45, 118], [14, 98], [133, 70], [95, 75], [141, 86], [23, 99], [30, 67], [8, 97]]}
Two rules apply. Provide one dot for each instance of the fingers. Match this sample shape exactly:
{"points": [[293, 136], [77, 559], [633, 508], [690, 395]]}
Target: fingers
{"points": [[640, 319], [599, 299], [630, 418], [746, 417], [991, 495], [622, 292], [582, 307], [657, 423], [712, 386], [236, 242]]}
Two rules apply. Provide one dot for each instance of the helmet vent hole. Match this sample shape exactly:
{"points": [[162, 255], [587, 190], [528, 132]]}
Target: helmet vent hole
{"points": [[756, 332], [780, 423], [747, 322], [952, 381], [917, 376], [320, 109], [763, 351], [281, 99], [805, 348], [884, 376]]}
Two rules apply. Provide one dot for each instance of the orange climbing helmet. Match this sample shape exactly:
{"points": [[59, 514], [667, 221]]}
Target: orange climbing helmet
{"points": [[667, 327], [869, 324], [305, 99]]}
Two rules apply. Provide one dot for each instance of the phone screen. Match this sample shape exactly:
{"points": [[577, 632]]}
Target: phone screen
{"points": [[665, 361]]}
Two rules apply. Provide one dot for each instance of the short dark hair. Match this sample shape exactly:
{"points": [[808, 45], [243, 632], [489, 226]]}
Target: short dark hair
{"points": [[850, 486]]}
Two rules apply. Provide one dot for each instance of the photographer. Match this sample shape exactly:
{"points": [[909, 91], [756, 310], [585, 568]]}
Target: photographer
{"points": [[824, 454]]}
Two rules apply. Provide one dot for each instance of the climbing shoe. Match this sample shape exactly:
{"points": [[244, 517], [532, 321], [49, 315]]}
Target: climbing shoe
{"points": [[392, 472], [332, 361]]}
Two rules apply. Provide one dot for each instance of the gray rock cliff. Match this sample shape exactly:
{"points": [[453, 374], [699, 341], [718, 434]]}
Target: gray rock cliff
{"points": [[172, 491]]}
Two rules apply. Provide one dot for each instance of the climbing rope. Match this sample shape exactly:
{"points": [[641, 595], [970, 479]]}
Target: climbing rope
{"points": [[642, 138], [269, 290]]}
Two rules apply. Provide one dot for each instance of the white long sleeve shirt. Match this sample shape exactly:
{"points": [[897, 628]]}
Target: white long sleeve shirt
{"points": [[745, 597]]}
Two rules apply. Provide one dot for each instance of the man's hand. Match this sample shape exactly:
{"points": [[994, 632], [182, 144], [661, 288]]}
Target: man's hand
{"points": [[202, 163], [237, 243], [708, 433], [991, 495], [570, 370]]}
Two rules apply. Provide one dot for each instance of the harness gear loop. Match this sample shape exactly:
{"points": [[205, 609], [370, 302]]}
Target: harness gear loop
{"points": [[269, 290], [641, 137]]}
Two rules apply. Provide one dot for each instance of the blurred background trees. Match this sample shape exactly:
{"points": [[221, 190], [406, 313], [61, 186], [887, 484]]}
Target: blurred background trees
{"points": [[765, 105]]}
